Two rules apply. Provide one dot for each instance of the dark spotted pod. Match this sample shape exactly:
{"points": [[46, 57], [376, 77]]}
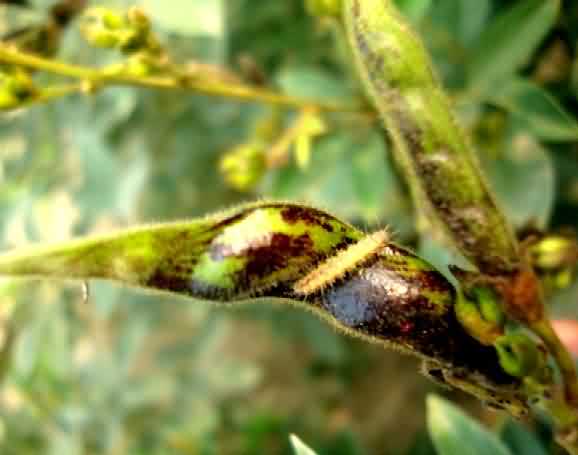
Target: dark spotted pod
{"points": [[438, 161], [364, 285]]}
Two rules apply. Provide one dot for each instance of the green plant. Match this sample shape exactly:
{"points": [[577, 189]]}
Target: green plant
{"points": [[365, 285]]}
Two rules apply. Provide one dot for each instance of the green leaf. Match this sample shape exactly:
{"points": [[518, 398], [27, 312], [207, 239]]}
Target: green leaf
{"points": [[450, 30], [314, 84], [452, 431], [98, 164], [441, 255], [356, 186], [574, 79], [509, 41], [473, 18], [422, 445], [520, 440], [414, 9], [523, 179], [299, 446], [538, 109], [461, 20]]}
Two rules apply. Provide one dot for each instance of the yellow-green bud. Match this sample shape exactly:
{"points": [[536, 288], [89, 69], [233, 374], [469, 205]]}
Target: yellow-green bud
{"points": [[108, 29], [138, 19], [554, 252], [243, 166], [140, 65], [107, 18], [131, 40], [101, 27], [7, 99], [102, 38], [16, 86]]}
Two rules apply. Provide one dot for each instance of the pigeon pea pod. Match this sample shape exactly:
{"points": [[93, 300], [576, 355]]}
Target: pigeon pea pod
{"points": [[233, 255], [364, 285], [433, 150]]}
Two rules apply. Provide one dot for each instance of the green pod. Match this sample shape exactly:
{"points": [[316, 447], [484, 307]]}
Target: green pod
{"points": [[442, 170], [399, 300], [234, 255], [364, 285]]}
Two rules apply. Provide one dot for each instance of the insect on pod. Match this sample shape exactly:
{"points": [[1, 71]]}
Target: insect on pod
{"points": [[365, 286]]}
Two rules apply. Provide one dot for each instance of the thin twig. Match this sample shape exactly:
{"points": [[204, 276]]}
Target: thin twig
{"points": [[101, 77], [51, 93]]}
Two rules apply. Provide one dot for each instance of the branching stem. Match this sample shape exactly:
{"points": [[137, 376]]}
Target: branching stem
{"points": [[101, 78]]}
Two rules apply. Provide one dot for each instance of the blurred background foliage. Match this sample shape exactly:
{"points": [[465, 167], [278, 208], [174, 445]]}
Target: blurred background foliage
{"points": [[131, 373]]}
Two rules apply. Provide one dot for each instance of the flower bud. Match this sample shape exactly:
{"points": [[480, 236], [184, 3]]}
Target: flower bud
{"points": [[138, 19], [101, 27], [101, 38], [108, 18], [139, 65], [244, 166], [554, 252], [8, 100], [107, 29], [16, 86]]}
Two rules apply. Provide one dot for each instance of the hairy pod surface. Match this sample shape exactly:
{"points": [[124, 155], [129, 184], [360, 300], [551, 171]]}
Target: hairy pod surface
{"points": [[233, 255], [365, 286], [437, 159], [400, 300]]}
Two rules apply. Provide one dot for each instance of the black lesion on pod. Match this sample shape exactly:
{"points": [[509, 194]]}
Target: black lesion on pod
{"points": [[272, 260], [395, 308]]}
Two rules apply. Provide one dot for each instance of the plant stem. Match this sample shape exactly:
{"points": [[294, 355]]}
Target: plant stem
{"points": [[100, 77], [51, 93], [544, 330], [11, 55], [571, 448]]}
